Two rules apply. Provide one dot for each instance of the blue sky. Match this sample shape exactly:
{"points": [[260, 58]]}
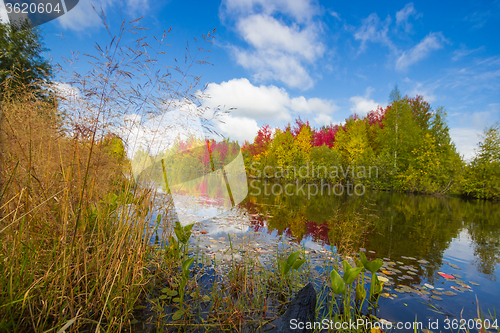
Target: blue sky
{"points": [[275, 60]]}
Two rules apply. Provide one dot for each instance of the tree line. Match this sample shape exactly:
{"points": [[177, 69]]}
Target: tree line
{"points": [[408, 144]]}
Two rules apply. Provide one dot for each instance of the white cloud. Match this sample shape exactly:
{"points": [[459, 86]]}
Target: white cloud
{"points": [[361, 105], [466, 140], [404, 14], [375, 31], [431, 42], [83, 16], [463, 52], [160, 132], [335, 14], [66, 91], [240, 129], [266, 33], [4, 17], [281, 67], [323, 120], [263, 103], [426, 92], [268, 103], [300, 10], [277, 49]]}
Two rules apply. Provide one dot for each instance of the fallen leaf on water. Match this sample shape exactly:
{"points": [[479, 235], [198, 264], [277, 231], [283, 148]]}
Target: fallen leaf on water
{"points": [[474, 283], [449, 293], [429, 286], [436, 297], [446, 276], [203, 232]]}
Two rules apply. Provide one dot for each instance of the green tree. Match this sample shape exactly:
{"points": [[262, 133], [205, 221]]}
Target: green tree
{"points": [[482, 177], [21, 63]]}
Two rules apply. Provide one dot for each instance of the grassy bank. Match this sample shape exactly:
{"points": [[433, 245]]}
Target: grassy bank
{"points": [[66, 256]]}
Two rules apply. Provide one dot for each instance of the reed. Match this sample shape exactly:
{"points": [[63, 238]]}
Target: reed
{"points": [[75, 236]]}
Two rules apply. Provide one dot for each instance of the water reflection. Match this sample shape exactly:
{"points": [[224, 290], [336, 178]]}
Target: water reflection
{"points": [[418, 236], [397, 224]]}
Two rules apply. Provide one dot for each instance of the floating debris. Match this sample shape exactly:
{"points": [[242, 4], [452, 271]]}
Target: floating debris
{"points": [[446, 276], [462, 284], [461, 289], [449, 293]]}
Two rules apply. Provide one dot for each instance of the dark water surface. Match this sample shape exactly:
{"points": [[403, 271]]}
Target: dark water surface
{"points": [[417, 235]]}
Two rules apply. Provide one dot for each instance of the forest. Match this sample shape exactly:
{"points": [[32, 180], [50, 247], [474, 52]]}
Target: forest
{"points": [[406, 146]]}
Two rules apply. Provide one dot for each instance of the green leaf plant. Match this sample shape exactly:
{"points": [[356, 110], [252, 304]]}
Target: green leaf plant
{"points": [[292, 262], [353, 281]]}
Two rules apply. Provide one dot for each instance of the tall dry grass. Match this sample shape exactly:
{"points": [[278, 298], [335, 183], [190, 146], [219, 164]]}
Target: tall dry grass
{"points": [[74, 229], [53, 270]]}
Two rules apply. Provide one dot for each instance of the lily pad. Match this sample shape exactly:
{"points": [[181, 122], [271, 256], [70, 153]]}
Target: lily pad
{"points": [[172, 293], [177, 315], [382, 278]]}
